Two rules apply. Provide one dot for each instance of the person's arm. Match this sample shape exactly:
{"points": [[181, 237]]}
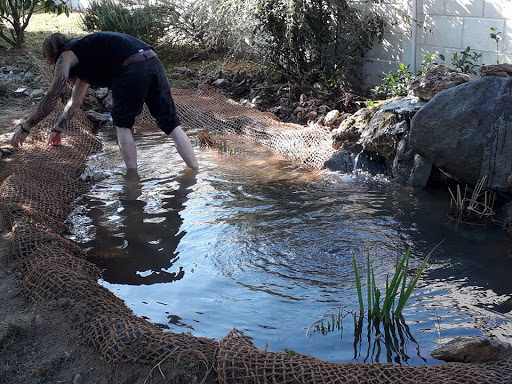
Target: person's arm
{"points": [[184, 147], [65, 61], [77, 96]]}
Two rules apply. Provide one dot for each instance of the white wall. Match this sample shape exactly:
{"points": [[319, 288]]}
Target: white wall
{"points": [[441, 27]]}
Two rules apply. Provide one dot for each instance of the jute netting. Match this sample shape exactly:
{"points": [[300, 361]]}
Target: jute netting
{"points": [[38, 186], [206, 109]]}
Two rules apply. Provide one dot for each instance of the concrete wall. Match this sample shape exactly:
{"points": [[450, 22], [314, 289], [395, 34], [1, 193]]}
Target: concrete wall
{"points": [[440, 27]]}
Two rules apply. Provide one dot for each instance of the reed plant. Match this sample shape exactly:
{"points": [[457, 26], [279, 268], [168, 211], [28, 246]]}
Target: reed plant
{"points": [[476, 209], [384, 306]]}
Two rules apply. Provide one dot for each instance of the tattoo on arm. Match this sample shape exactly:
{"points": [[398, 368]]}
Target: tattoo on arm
{"points": [[47, 103]]}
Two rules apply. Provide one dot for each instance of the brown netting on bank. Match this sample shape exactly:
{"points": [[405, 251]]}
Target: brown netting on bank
{"points": [[206, 109], [38, 186]]}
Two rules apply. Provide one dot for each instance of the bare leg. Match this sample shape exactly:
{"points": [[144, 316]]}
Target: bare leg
{"points": [[127, 147], [184, 147]]}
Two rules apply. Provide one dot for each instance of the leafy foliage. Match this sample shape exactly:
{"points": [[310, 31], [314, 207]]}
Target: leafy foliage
{"points": [[465, 60], [394, 83], [15, 16], [217, 25], [146, 21], [316, 40]]}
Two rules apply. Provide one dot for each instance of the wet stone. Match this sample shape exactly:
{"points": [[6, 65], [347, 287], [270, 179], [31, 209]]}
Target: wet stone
{"points": [[78, 379], [472, 350]]}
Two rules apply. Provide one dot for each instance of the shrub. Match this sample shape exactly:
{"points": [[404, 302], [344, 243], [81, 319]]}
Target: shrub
{"points": [[321, 40], [393, 84], [146, 21]]}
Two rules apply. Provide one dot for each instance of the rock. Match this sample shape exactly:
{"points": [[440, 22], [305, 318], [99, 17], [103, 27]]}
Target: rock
{"points": [[91, 101], [28, 76], [331, 117], [383, 133], [409, 168], [37, 94], [97, 118], [311, 115], [472, 350], [6, 151], [220, 83], [404, 107], [352, 159], [465, 131], [435, 80], [350, 129], [323, 109], [504, 70], [101, 93], [108, 101], [78, 379], [318, 86]]}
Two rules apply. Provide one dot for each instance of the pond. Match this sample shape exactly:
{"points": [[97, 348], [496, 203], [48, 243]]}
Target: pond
{"points": [[255, 242]]}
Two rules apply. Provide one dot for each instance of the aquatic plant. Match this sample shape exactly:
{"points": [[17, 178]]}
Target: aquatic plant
{"points": [[385, 326], [386, 308], [477, 209]]}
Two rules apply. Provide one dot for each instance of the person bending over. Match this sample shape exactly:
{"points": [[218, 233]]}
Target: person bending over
{"points": [[130, 68]]}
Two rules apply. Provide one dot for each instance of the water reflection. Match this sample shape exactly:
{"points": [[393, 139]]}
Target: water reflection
{"points": [[262, 246], [142, 250]]}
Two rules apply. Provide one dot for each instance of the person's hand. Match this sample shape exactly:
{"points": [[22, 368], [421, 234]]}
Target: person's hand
{"points": [[19, 136], [55, 137]]}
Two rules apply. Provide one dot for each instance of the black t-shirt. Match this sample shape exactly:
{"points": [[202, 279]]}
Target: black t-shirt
{"points": [[100, 55]]}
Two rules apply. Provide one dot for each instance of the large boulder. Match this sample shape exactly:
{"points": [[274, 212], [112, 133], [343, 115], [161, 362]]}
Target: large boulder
{"points": [[435, 80], [466, 131]]}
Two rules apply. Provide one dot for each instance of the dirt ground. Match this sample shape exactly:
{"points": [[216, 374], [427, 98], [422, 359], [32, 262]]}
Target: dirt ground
{"points": [[38, 344]]}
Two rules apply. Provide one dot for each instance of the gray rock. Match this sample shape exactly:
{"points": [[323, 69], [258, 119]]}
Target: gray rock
{"points": [[504, 70], [409, 168], [352, 159], [383, 133], [78, 379], [220, 83], [101, 93], [108, 101], [349, 131], [435, 80], [466, 132], [37, 94], [323, 109], [405, 107], [472, 350]]}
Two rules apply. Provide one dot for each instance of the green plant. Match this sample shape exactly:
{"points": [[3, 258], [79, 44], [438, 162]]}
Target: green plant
{"points": [[496, 36], [146, 20], [394, 83], [475, 209], [465, 60], [397, 291], [322, 40], [15, 16], [427, 62]]}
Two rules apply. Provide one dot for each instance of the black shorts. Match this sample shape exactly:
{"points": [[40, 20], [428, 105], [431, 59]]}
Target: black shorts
{"points": [[139, 82]]}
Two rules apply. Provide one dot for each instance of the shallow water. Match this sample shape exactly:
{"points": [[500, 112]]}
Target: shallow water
{"points": [[253, 242]]}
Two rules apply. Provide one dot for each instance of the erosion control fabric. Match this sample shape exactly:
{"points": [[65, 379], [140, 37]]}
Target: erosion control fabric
{"points": [[38, 186]]}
